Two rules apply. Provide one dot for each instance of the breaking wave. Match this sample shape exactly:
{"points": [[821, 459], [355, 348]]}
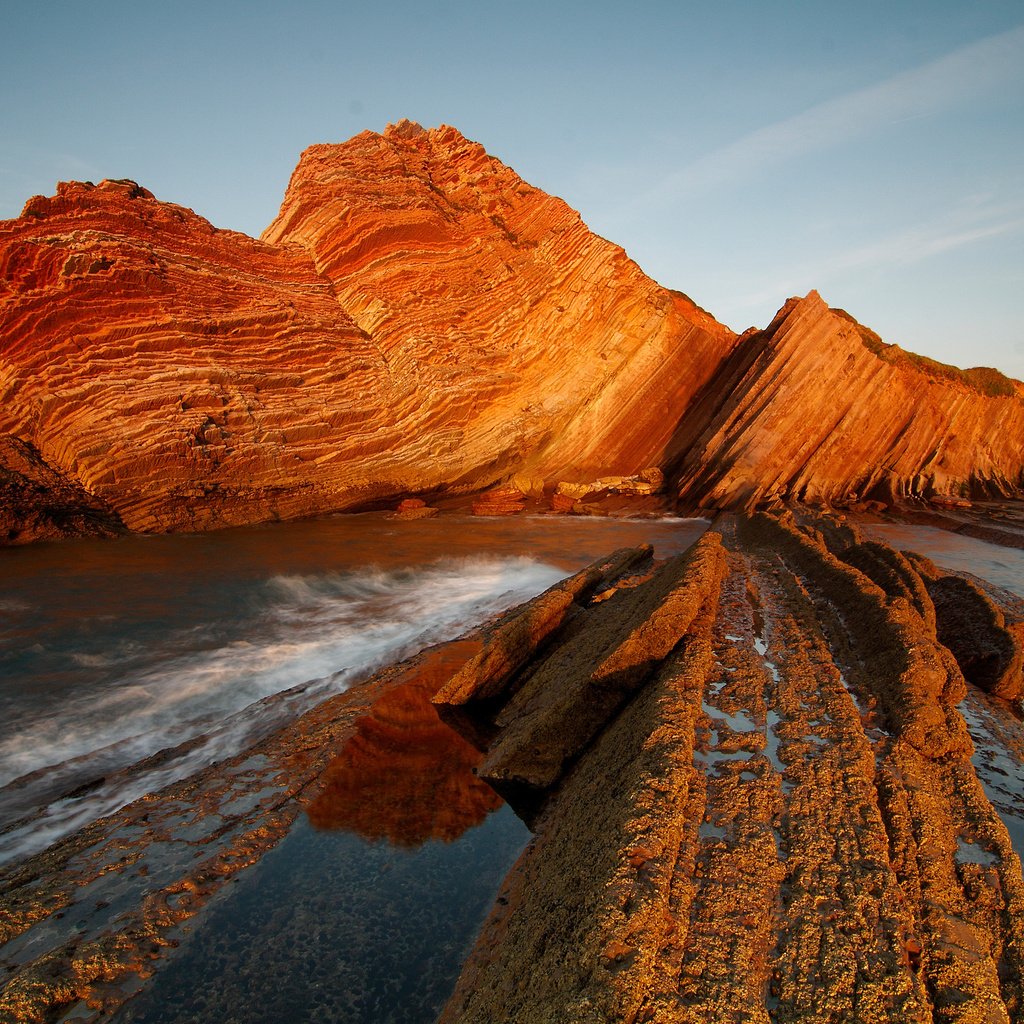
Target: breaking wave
{"points": [[197, 696]]}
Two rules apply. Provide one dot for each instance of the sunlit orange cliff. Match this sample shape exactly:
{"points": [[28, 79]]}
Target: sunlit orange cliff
{"points": [[418, 320]]}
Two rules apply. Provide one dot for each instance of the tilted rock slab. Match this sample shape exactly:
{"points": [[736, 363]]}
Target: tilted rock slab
{"points": [[815, 408], [418, 320], [781, 825]]}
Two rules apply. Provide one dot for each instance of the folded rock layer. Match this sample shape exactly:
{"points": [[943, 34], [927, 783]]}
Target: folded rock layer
{"points": [[782, 823], [816, 407], [418, 320]]}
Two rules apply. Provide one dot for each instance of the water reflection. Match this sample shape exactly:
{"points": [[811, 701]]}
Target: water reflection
{"points": [[368, 915], [405, 776]]}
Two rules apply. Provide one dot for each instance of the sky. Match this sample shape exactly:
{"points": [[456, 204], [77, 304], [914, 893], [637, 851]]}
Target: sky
{"points": [[741, 152]]}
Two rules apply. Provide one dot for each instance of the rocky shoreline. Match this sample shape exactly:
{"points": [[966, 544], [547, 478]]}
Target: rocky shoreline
{"points": [[783, 825], [748, 776]]}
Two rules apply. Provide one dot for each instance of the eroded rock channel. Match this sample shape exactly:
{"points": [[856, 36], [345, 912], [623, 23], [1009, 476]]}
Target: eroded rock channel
{"points": [[783, 824], [776, 778]]}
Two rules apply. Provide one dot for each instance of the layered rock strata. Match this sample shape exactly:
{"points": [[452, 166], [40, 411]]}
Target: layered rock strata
{"points": [[816, 409], [505, 322], [184, 376], [783, 824], [418, 321], [39, 503]]}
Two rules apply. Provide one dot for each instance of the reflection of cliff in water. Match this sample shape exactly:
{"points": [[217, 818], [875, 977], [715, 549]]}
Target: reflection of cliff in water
{"points": [[405, 776]]}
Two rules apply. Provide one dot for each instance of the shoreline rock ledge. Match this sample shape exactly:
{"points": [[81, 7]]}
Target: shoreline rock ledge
{"points": [[751, 790]]}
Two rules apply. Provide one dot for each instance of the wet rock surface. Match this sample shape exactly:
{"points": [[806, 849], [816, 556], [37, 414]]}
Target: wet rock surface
{"points": [[789, 821], [760, 786]]}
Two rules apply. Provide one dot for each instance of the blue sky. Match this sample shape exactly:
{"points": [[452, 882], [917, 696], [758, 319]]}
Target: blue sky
{"points": [[741, 152]]}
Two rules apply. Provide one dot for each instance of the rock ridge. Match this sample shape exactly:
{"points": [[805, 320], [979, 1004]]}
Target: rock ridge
{"points": [[419, 322], [782, 823]]}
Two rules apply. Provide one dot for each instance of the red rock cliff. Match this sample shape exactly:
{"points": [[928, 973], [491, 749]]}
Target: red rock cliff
{"points": [[182, 374], [418, 319], [510, 326], [816, 407]]}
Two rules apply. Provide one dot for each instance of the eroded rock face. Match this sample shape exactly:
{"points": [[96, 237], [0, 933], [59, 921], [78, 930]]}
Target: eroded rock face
{"points": [[418, 320], [38, 503], [516, 331], [815, 408], [185, 376]]}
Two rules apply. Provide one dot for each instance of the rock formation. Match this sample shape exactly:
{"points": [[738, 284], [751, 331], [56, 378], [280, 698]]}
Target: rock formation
{"points": [[418, 321], [782, 824], [816, 408], [760, 786], [179, 373]]}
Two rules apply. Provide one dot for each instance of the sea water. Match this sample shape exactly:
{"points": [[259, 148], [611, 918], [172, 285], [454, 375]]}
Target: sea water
{"points": [[1003, 566], [111, 651], [127, 665]]}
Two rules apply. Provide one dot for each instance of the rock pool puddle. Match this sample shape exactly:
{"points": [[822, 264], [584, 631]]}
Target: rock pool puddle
{"points": [[998, 759], [367, 908], [332, 926]]}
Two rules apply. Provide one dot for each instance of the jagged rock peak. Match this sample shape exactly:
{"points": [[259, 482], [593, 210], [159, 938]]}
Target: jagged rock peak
{"points": [[405, 129], [417, 320], [816, 408]]}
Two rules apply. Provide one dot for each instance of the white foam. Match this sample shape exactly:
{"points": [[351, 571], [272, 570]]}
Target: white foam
{"points": [[310, 636]]}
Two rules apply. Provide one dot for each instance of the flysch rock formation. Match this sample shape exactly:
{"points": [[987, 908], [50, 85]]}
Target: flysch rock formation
{"points": [[817, 409], [418, 321], [175, 371], [783, 823], [760, 786]]}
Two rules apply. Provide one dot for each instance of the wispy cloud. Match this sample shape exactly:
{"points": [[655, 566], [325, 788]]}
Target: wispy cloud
{"points": [[956, 229], [939, 85]]}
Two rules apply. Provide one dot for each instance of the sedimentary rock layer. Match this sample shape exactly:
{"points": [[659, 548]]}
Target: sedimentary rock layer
{"points": [[508, 324], [783, 825], [183, 375], [39, 503], [815, 408], [419, 321]]}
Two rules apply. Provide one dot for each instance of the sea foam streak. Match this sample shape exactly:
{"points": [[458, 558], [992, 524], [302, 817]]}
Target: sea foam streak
{"points": [[307, 637]]}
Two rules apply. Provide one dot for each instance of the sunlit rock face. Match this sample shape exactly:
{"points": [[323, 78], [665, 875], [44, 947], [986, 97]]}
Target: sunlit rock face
{"points": [[514, 337], [188, 377], [419, 321], [816, 407]]}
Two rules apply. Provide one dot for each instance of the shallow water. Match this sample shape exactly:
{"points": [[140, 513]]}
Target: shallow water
{"points": [[328, 927], [1003, 566], [112, 651]]}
